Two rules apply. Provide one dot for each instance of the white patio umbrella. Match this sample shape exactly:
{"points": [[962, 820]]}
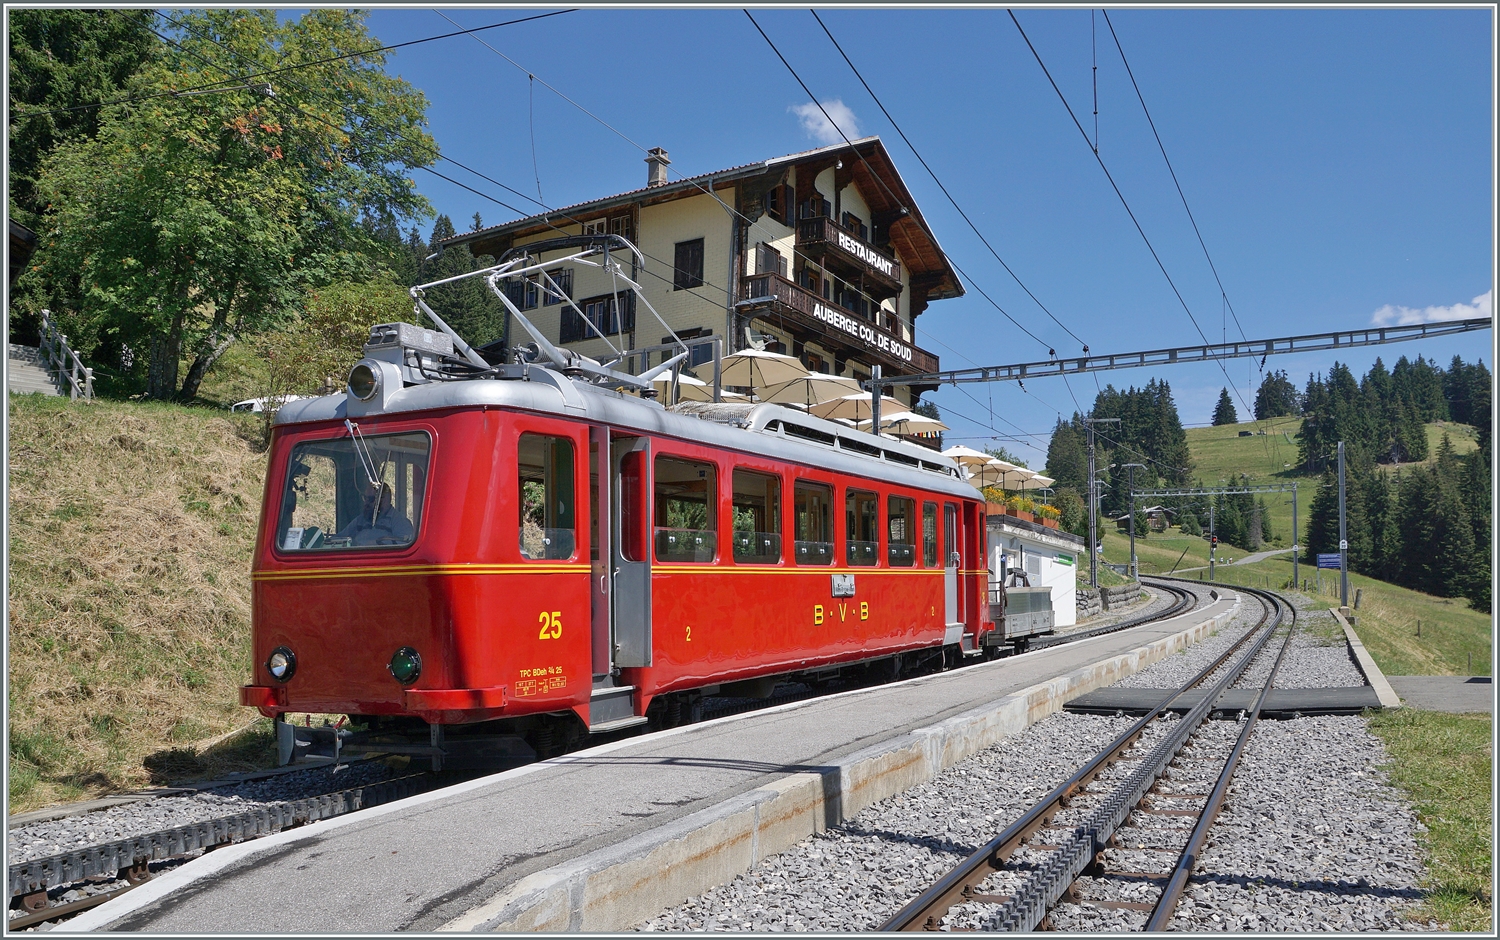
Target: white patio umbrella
{"points": [[1034, 482], [758, 369], [990, 473], [1013, 477], [811, 389], [855, 407], [688, 388], [967, 456], [906, 422]]}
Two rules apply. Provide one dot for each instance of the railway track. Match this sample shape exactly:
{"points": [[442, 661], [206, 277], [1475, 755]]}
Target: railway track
{"points": [[115, 867], [1184, 601], [122, 864], [1087, 823]]}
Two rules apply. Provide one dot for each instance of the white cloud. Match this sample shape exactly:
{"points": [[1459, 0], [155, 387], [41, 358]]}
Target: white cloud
{"points": [[1390, 315], [818, 127]]}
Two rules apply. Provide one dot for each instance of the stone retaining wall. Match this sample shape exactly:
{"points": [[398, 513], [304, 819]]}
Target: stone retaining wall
{"points": [[1092, 602]]}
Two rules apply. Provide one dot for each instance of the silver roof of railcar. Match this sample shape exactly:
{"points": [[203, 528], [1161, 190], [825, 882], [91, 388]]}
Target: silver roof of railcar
{"points": [[761, 429]]}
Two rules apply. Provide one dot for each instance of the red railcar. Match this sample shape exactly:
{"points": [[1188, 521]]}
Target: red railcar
{"points": [[525, 551]]}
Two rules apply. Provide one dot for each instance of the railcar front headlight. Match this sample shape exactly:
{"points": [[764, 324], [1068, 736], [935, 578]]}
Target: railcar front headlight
{"points": [[364, 381], [281, 664], [406, 665]]}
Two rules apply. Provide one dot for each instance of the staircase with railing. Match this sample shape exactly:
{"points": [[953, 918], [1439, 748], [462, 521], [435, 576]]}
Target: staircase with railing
{"points": [[49, 368]]}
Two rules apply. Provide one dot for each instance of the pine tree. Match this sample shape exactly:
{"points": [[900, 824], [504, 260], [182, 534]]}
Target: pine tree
{"points": [[1187, 522], [1224, 411], [1276, 397], [1323, 520], [1067, 457], [468, 306]]}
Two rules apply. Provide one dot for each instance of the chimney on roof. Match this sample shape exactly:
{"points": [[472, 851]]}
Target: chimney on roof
{"points": [[656, 162]]}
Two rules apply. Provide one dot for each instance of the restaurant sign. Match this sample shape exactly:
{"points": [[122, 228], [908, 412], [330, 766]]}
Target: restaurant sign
{"points": [[867, 254], [865, 332]]}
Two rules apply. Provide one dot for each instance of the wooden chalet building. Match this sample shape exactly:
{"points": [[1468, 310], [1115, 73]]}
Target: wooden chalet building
{"points": [[826, 257]]}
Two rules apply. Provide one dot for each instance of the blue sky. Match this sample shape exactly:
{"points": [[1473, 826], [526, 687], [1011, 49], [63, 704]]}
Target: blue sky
{"points": [[1338, 162]]}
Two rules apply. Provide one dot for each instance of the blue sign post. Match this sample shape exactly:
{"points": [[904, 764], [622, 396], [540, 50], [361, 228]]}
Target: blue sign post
{"points": [[1328, 560]]}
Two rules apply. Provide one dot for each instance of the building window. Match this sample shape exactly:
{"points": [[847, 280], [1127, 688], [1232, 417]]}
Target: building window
{"points": [[688, 265], [779, 202], [594, 227], [813, 207], [609, 313], [854, 226], [697, 355], [564, 281], [768, 260], [623, 226], [532, 293]]}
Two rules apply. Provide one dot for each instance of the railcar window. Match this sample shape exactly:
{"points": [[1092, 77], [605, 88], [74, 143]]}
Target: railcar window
{"points": [[950, 535], [757, 518], [901, 532], [929, 535], [813, 509], [545, 488], [686, 510], [862, 531], [332, 502]]}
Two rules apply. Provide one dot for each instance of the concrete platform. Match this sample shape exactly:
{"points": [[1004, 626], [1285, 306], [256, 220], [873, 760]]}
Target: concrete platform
{"points": [[605, 838], [1281, 703], [1458, 694]]}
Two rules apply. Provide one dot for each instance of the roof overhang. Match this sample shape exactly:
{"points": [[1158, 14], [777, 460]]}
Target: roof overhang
{"points": [[869, 167]]}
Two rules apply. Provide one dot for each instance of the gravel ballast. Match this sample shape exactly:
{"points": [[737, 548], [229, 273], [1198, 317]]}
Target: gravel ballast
{"points": [[1313, 837], [123, 821]]}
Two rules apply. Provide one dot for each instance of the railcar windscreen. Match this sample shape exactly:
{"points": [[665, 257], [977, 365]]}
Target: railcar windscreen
{"points": [[339, 498]]}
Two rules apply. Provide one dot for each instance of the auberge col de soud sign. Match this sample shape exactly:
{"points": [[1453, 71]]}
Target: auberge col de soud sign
{"points": [[864, 332]]}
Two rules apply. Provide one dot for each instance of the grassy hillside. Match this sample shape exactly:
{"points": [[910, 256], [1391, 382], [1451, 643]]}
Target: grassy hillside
{"points": [[1453, 635], [131, 527], [1221, 455]]}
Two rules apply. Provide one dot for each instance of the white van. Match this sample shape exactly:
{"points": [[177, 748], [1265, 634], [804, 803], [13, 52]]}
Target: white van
{"points": [[264, 404]]}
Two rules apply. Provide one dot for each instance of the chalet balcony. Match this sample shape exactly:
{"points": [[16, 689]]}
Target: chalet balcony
{"points": [[849, 256], [773, 297]]}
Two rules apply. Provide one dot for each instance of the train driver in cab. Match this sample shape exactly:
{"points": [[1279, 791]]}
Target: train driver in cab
{"points": [[382, 526]]}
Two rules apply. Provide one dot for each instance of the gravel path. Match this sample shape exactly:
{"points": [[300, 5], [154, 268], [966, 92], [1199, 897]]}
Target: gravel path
{"points": [[1313, 838]]}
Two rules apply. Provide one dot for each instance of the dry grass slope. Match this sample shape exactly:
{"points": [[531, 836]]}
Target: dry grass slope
{"points": [[131, 528]]}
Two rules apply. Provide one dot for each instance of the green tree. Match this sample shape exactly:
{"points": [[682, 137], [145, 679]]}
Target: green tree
{"points": [[1067, 458], [1000, 453], [63, 64], [1276, 397], [190, 221], [326, 338], [1224, 412], [1187, 522], [1074, 512], [469, 306]]}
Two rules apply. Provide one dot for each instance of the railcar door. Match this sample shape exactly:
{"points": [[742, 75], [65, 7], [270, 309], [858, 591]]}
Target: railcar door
{"points": [[630, 551], [952, 597]]}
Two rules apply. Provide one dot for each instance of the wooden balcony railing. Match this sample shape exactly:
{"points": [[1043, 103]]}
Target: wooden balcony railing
{"points": [[805, 309], [823, 238]]}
